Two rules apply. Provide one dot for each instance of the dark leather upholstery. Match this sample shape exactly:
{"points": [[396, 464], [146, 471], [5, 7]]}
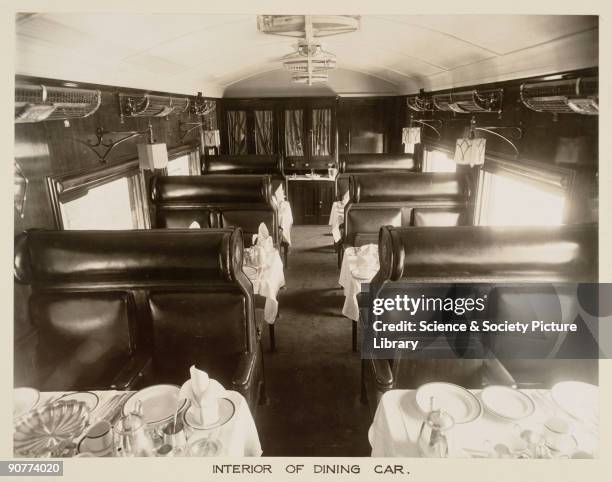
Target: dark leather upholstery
{"points": [[402, 199], [489, 254], [401, 187], [102, 300], [492, 253], [365, 163], [225, 201], [83, 338], [247, 164], [221, 189]]}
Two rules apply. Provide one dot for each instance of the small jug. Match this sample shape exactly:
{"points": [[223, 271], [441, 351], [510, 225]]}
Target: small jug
{"points": [[131, 437]]}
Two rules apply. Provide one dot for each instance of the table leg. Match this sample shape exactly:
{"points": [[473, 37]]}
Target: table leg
{"points": [[354, 336], [364, 396], [272, 337]]}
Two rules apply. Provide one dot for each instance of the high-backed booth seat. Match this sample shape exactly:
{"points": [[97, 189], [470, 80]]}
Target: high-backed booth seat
{"points": [[122, 309], [220, 201], [478, 254], [259, 164], [402, 199], [367, 163]]}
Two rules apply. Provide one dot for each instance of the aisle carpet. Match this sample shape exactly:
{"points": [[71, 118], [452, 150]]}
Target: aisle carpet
{"points": [[313, 377]]}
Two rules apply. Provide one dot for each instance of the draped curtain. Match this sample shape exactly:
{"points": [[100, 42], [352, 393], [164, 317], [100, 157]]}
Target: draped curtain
{"points": [[263, 132], [236, 132], [294, 145], [321, 131]]}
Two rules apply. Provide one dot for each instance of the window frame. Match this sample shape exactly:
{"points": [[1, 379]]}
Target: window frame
{"points": [[76, 184], [428, 148], [195, 168], [547, 177]]}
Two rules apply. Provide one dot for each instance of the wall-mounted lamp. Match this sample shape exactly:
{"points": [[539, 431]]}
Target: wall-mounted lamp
{"points": [[212, 138], [104, 144], [470, 150], [152, 155]]}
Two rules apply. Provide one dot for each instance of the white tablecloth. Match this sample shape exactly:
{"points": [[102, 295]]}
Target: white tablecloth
{"points": [[285, 219], [238, 436], [268, 283], [352, 285], [395, 429], [336, 218]]}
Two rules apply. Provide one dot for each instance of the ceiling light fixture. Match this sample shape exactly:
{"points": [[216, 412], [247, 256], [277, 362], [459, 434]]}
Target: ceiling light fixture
{"points": [[309, 64]]}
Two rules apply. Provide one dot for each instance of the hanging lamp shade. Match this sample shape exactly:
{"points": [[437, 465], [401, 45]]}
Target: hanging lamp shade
{"points": [[470, 151]]}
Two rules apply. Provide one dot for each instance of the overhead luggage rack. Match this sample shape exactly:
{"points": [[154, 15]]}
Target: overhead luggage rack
{"points": [[470, 101], [420, 103], [569, 96], [36, 103], [148, 105]]}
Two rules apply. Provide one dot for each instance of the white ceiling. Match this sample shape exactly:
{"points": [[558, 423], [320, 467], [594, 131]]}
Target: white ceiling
{"points": [[219, 54]]}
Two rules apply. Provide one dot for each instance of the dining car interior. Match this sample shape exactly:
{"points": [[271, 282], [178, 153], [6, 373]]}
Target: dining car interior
{"points": [[206, 205]]}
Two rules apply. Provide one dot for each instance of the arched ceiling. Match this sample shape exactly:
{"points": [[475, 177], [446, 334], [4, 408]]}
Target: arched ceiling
{"points": [[226, 54]]}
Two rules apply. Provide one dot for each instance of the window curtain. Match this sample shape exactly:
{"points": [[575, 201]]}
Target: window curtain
{"points": [[294, 121], [321, 129], [263, 132], [236, 132]]}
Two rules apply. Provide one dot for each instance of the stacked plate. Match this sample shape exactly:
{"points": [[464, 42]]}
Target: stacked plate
{"points": [[507, 403], [579, 399], [459, 403]]}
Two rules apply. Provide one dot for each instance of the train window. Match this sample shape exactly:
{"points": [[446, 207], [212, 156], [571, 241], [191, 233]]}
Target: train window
{"points": [[438, 161], [184, 164], [521, 198], [109, 198], [179, 166]]}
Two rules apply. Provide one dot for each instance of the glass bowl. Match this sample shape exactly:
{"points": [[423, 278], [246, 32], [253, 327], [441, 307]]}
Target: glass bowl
{"points": [[47, 429]]}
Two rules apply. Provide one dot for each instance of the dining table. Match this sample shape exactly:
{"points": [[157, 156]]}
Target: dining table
{"points": [[267, 280], [359, 266], [398, 420], [237, 437]]}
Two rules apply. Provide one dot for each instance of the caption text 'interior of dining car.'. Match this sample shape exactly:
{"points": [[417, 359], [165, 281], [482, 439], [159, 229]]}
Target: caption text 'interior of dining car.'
{"points": [[330, 235]]}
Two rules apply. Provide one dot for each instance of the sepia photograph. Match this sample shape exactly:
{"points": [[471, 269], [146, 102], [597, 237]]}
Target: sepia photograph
{"points": [[306, 235]]}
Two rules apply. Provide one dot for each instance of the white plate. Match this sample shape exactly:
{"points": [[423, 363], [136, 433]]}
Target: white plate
{"points": [[226, 412], [579, 399], [24, 400], [458, 402], [159, 403], [89, 398], [507, 402]]}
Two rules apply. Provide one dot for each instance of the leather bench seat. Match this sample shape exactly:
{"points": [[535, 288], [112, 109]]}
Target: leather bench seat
{"points": [[479, 254], [216, 201], [122, 309], [402, 200], [259, 164], [367, 163]]}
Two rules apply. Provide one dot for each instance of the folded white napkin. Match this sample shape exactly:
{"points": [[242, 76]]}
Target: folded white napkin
{"points": [[345, 198], [195, 225], [203, 393], [279, 194], [263, 238]]}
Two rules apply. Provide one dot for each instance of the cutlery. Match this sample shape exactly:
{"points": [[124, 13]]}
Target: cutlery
{"points": [[117, 406], [104, 409]]}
